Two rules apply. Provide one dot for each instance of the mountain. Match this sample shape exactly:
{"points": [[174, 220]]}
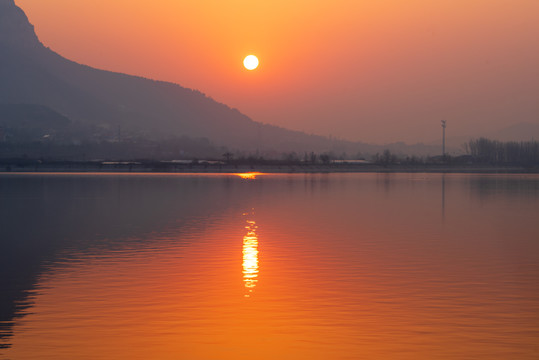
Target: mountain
{"points": [[22, 122], [31, 73], [523, 131], [31, 117]]}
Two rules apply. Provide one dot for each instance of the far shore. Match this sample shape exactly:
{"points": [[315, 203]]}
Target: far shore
{"points": [[157, 168]]}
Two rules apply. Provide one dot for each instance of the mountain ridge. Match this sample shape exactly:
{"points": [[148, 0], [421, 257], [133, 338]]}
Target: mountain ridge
{"points": [[31, 73], [15, 28]]}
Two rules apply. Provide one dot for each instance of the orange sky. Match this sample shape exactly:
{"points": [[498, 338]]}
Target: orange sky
{"points": [[375, 71]]}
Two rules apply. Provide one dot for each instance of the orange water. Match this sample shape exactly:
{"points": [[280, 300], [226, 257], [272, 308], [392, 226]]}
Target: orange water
{"points": [[342, 266]]}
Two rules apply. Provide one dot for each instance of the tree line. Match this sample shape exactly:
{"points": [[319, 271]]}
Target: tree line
{"points": [[483, 150]]}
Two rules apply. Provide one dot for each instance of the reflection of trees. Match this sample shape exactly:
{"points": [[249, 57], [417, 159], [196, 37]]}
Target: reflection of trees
{"points": [[515, 186]]}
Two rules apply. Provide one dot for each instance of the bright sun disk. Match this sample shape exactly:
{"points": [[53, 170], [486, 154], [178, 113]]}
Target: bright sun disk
{"points": [[250, 62]]}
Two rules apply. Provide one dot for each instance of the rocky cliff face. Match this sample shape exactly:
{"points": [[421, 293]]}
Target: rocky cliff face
{"points": [[15, 29]]}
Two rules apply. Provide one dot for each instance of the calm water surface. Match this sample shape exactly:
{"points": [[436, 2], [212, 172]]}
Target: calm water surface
{"points": [[340, 266]]}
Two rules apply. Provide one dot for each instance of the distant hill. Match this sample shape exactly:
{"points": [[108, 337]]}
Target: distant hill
{"points": [[519, 132], [30, 73]]}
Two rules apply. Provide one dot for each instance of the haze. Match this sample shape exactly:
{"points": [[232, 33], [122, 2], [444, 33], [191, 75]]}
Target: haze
{"points": [[370, 71]]}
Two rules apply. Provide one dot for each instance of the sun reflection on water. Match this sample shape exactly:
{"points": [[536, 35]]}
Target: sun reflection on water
{"points": [[249, 176], [250, 257]]}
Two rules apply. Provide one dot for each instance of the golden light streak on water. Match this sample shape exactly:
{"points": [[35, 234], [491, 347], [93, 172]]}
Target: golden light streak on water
{"points": [[250, 257], [249, 176]]}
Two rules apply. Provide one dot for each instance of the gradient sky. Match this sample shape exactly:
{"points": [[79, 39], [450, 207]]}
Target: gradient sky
{"points": [[375, 71]]}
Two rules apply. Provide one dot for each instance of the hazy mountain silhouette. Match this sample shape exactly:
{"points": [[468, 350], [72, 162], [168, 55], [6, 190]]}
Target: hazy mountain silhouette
{"points": [[524, 131], [30, 116], [31, 73], [22, 122]]}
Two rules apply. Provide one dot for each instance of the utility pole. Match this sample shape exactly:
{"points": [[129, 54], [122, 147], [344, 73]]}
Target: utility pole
{"points": [[443, 138]]}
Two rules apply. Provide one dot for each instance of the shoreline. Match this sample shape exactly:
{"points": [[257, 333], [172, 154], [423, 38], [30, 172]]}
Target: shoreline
{"points": [[263, 169]]}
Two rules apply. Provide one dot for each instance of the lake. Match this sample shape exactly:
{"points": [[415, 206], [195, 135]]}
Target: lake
{"points": [[300, 266]]}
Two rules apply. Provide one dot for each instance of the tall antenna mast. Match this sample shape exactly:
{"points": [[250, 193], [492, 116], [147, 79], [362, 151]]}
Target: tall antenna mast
{"points": [[443, 138]]}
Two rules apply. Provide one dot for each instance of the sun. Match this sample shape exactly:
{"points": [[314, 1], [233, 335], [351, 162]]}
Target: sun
{"points": [[250, 62]]}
